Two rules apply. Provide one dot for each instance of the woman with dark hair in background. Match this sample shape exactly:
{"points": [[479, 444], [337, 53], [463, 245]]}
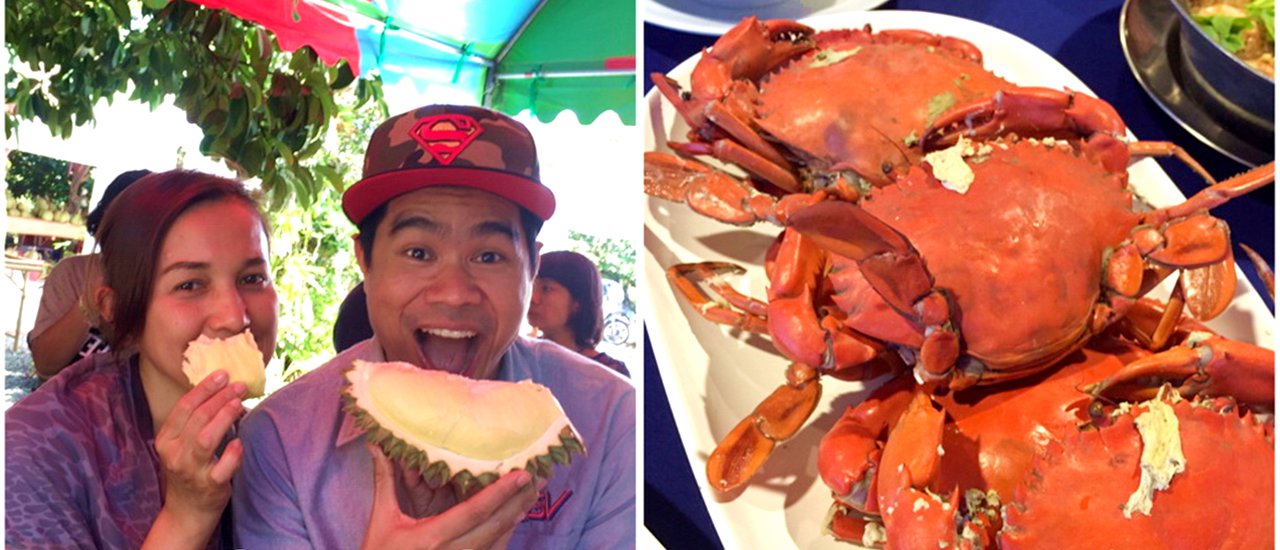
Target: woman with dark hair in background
{"points": [[120, 450], [566, 305], [66, 327]]}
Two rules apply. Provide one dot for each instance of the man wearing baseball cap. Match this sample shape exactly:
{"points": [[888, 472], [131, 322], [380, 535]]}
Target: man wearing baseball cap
{"points": [[447, 212]]}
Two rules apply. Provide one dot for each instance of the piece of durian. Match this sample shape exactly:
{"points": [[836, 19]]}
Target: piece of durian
{"points": [[238, 355], [456, 430]]}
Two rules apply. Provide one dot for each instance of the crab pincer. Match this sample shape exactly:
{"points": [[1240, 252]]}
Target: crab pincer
{"points": [[1204, 364], [897, 273], [744, 450]]}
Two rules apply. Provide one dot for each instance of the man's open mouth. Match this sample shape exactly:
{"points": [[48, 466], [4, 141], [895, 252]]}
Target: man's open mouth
{"points": [[448, 350]]}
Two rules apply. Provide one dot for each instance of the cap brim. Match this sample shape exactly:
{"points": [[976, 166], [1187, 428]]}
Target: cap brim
{"points": [[369, 193]]}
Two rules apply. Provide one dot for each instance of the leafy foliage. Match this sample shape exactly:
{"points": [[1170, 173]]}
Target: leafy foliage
{"points": [[314, 264], [313, 270], [264, 112]]}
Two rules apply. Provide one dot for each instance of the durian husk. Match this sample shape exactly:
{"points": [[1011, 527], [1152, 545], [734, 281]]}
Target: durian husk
{"points": [[538, 434], [238, 355]]}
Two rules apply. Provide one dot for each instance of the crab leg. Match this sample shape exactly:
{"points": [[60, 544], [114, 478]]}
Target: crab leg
{"points": [[1216, 194], [1264, 271], [1045, 111], [750, 315], [719, 196], [707, 191], [896, 271], [1145, 149], [749, 158], [746, 448]]}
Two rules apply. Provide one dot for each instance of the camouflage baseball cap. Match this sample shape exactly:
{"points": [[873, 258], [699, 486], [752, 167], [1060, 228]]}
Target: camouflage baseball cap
{"points": [[455, 145]]}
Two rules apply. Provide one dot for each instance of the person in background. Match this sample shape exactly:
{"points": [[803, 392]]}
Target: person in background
{"points": [[447, 213], [352, 325], [566, 305], [66, 327], [120, 450]]}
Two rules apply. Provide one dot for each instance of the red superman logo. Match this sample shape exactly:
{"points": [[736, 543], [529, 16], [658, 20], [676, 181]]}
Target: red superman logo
{"points": [[446, 136]]}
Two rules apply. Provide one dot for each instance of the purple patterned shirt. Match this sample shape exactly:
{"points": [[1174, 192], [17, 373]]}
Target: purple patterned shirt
{"points": [[80, 464]]}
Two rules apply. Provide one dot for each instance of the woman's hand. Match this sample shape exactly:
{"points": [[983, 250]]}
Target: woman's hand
{"points": [[197, 482], [486, 520]]}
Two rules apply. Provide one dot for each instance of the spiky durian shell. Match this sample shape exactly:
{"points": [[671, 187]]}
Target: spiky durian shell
{"points": [[556, 444]]}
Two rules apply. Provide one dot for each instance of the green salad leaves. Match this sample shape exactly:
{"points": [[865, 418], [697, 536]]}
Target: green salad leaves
{"points": [[1227, 30]]}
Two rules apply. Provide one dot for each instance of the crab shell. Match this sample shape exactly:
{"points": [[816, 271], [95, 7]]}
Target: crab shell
{"points": [[1224, 498], [871, 128], [1033, 212]]}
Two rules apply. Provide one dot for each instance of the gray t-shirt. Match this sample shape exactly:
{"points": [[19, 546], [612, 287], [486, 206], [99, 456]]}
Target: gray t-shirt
{"points": [[61, 292]]}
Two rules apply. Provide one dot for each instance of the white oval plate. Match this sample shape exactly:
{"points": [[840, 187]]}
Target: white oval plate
{"points": [[714, 18], [715, 376]]}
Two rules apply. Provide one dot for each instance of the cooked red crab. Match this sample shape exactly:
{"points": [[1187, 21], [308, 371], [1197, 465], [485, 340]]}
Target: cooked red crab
{"points": [[979, 263], [801, 109], [940, 275], [1010, 462]]}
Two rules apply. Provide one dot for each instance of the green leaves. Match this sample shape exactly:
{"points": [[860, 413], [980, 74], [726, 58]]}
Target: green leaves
{"points": [[1228, 30], [1264, 11], [264, 112], [1225, 30]]}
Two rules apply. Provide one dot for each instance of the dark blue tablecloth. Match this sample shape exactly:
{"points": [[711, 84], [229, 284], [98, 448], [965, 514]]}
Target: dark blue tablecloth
{"points": [[1084, 37]]}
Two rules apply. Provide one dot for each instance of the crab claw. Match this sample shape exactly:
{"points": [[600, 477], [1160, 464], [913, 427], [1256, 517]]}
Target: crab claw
{"points": [[886, 258], [1199, 245], [749, 50], [1205, 364], [903, 465], [914, 515], [707, 191], [1026, 111], [746, 448], [849, 525], [896, 271], [917, 518], [743, 311], [851, 449]]}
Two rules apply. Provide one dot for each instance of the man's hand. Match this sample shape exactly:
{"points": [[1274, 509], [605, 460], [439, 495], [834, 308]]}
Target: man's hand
{"points": [[486, 520]]}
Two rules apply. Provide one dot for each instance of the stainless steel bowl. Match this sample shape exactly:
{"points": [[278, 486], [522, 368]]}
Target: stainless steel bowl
{"points": [[1225, 82]]}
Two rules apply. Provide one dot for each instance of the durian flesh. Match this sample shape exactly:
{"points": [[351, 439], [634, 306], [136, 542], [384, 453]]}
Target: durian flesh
{"points": [[238, 355], [458, 430]]}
